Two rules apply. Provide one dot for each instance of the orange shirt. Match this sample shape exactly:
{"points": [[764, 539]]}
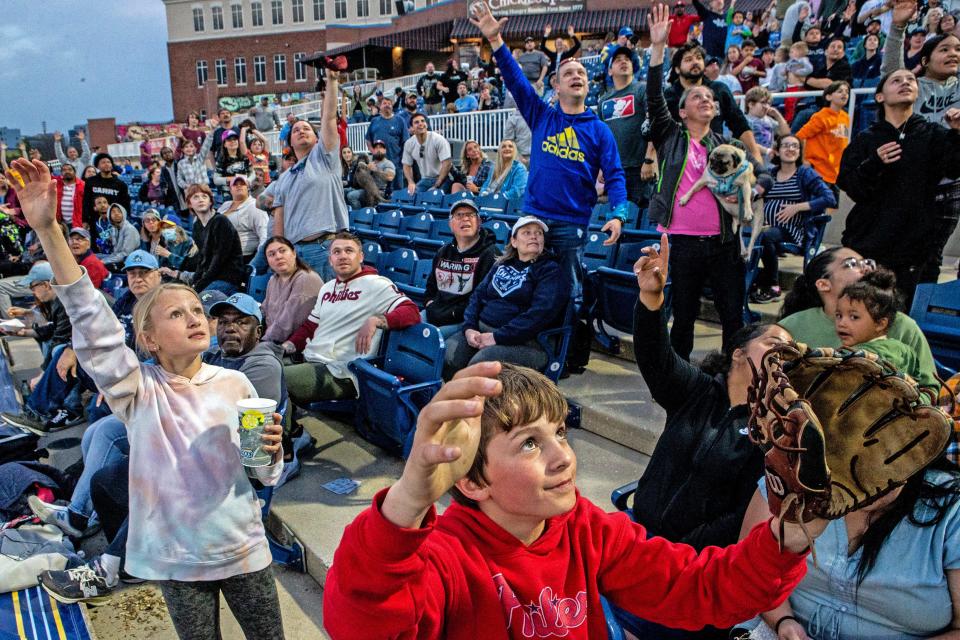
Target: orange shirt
{"points": [[827, 134]]}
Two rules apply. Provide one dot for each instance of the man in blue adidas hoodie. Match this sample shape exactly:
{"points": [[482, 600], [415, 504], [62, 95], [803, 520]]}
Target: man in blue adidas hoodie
{"points": [[571, 146]]}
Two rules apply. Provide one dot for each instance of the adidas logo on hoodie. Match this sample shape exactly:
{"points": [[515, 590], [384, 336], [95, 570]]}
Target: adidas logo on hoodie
{"points": [[564, 145]]}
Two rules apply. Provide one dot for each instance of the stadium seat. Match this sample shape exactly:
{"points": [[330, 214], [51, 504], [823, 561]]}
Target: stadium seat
{"points": [[257, 284], [500, 229], [396, 386], [398, 265], [429, 200], [439, 235], [492, 204], [595, 253], [443, 209], [383, 222], [398, 200], [556, 342], [417, 289], [371, 254], [813, 229], [616, 292], [599, 216], [936, 308], [410, 226], [752, 271], [362, 220]]}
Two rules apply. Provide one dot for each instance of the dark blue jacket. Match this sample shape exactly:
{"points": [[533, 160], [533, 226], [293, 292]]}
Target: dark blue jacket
{"points": [[519, 299], [567, 154]]}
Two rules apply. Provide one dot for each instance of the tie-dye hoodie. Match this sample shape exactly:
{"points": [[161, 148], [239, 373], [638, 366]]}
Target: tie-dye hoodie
{"points": [[193, 512]]}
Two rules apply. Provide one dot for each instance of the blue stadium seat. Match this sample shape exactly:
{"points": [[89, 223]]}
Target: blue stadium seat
{"points": [[936, 308], [398, 199], [616, 293], [395, 387], [439, 235], [362, 219], [500, 229], [257, 284], [398, 265], [600, 215], [371, 254], [428, 200], [443, 209], [383, 222], [752, 271], [595, 253], [556, 341], [410, 226], [493, 203], [813, 229], [417, 289]]}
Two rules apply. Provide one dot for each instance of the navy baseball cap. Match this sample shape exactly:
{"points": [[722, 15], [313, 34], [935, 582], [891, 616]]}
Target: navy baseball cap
{"points": [[210, 297], [242, 303], [142, 260]]}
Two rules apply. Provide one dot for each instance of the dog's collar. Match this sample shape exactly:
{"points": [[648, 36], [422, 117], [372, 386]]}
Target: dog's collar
{"points": [[725, 183]]}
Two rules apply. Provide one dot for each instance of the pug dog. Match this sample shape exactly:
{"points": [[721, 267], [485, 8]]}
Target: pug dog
{"points": [[729, 173]]}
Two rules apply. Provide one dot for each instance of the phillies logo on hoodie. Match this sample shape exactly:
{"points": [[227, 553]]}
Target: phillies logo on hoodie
{"points": [[550, 616]]}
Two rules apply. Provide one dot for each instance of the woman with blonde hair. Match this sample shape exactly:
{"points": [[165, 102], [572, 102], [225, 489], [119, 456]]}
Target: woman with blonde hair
{"points": [[473, 171], [509, 175]]}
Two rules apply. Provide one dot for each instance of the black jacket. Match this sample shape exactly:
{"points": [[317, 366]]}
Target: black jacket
{"points": [[219, 255], [454, 277], [893, 218], [704, 469], [569, 53]]}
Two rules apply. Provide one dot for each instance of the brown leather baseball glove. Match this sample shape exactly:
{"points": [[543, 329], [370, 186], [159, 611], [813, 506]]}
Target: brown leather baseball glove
{"points": [[840, 429]]}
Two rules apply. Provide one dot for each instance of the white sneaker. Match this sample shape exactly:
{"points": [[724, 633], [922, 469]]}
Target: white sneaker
{"points": [[53, 514]]}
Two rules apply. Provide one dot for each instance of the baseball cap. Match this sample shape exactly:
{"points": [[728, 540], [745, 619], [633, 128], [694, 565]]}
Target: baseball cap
{"points": [[529, 39], [624, 50], [237, 178], [229, 133], [466, 202], [141, 259], [711, 60], [625, 31], [210, 297], [150, 213], [524, 221], [80, 231], [39, 272], [171, 220], [241, 302], [380, 143]]}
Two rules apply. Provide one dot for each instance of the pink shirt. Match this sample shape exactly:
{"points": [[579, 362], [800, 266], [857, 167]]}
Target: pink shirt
{"points": [[699, 217]]}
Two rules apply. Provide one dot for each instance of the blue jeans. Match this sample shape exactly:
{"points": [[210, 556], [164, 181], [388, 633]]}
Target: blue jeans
{"points": [[317, 255], [53, 393], [426, 184], [228, 288], [567, 240], [104, 444], [259, 262]]}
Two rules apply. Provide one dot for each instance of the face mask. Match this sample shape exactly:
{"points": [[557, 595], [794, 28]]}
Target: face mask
{"points": [[170, 235]]}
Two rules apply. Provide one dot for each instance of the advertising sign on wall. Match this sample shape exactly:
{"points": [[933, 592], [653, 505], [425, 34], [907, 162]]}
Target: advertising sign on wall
{"points": [[526, 7]]}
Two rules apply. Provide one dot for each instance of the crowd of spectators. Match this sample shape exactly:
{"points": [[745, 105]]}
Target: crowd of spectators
{"points": [[104, 255]]}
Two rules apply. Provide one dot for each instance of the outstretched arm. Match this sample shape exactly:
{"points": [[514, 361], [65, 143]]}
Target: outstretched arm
{"points": [[329, 136]]}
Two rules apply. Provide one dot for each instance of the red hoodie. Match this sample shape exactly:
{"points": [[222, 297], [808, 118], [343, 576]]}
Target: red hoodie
{"points": [[461, 576], [77, 220]]}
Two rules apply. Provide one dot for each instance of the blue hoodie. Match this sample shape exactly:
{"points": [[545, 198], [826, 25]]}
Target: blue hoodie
{"points": [[567, 154]]}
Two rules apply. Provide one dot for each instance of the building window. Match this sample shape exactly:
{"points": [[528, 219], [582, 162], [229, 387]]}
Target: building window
{"points": [[386, 7], [256, 12], [340, 9], [280, 68], [201, 73], [220, 66], [319, 12], [363, 8], [197, 19], [260, 69], [217, 14], [299, 69], [297, 6], [236, 11], [240, 70], [276, 9]]}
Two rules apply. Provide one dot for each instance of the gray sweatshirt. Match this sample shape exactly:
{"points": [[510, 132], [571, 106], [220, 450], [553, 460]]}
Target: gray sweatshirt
{"points": [[81, 162], [933, 98], [126, 239]]}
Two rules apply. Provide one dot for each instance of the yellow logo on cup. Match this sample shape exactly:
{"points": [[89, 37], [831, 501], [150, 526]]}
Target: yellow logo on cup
{"points": [[252, 419]]}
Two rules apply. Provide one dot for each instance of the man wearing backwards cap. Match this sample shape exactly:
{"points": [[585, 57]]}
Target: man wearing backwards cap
{"points": [[571, 146], [104, 184]]}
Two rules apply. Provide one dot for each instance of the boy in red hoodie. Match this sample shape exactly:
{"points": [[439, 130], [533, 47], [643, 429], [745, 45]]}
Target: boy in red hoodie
{"points": [[520, 554]]}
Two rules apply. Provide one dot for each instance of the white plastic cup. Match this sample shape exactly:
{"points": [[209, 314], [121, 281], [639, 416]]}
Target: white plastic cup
{"points": [[253, 414]]}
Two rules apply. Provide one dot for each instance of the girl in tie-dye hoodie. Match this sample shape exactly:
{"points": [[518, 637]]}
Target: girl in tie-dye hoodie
{"points": [[194, 523]]}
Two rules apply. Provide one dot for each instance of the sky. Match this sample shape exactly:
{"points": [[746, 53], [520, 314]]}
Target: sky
{"points": [[65, 61]]}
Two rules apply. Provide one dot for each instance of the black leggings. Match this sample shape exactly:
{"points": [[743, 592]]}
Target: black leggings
{"points": [[194, 607]]}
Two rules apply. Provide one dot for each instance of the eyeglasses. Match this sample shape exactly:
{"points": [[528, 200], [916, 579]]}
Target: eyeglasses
{"points": [[789, 145], [865, 264], [421, 151], [464, 214]]}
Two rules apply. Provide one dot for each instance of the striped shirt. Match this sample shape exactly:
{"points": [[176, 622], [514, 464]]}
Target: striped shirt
{"points": [[780, 194], [66, 202]]}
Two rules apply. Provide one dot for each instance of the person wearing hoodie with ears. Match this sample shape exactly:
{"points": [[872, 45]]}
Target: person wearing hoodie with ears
{"points": [[124, 237], [252, 224], [571, 147], [353, 310], [104, 184], [458, 268]]}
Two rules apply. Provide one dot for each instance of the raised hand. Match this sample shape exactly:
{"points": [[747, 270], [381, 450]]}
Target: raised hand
{"points": [[652, 270], [444, 445], [658, 20], [571, 31], [37, 193], [547, 30], [482, 18], [903, 10], [81, 135]]}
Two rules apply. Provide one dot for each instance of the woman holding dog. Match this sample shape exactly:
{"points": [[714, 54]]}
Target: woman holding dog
{"points": [[703, 243]]}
